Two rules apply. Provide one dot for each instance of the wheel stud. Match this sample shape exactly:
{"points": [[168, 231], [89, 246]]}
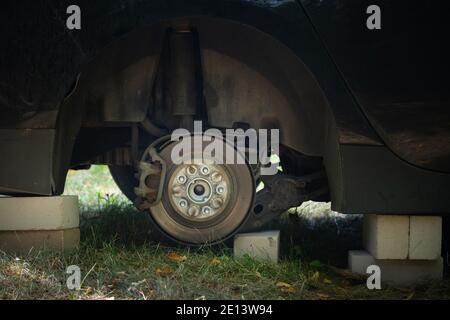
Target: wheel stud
{"points": [[205, 170], [206, 210], [181, 179], [183, 203]]}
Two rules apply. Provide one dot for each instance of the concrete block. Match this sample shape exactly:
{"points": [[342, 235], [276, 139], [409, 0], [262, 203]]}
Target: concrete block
{"points": [[386, 236], [398, 272], [260, 245], [25, 241], [425, 237], [359, 260], [38, 213], [411, 272]]}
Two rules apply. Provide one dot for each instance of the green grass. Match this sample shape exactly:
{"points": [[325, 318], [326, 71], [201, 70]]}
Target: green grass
{"points": [[121, 257]]}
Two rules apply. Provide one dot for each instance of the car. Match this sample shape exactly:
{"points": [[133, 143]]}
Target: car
{"points": [[357, 92]]}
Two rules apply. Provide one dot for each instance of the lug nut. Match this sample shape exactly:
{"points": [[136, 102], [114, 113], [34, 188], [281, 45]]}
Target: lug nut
{"points": [[220, 189], [181, 179]]}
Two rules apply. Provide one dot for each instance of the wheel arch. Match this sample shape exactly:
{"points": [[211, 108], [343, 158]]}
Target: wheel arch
{"points": [[298, 87]]}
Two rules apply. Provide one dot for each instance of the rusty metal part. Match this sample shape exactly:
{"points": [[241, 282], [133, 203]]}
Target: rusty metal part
{"points": [[181, 74], [202, 203], [282, 192], [151, 175], [205, 203]]}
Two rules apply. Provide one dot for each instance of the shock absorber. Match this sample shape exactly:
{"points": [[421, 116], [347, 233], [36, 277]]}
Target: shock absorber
{"points": [[182, 79]]}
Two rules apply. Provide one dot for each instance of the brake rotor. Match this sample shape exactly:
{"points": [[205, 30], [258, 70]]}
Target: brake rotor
{"points": [[201, 202]]}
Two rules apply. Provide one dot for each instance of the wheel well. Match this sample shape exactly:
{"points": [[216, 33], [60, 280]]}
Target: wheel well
{"points": [[248, 77]]}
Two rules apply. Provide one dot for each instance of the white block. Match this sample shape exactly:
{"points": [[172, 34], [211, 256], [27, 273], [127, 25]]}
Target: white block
{"points": [[425, 237], [359, 260], [411, 272], [261, 245], [398, 272], [38, 213], [386, 236]]}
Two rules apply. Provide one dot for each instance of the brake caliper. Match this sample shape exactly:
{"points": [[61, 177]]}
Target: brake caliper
{"points": [[151, 176]]}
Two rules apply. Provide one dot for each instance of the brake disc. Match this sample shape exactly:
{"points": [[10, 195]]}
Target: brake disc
{"points": [[198, 202]]}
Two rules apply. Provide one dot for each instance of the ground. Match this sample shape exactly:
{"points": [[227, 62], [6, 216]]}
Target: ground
{"points": [[121, 258]]}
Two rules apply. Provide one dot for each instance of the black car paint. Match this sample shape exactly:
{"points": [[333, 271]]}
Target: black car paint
{"points": [[399, 74]]}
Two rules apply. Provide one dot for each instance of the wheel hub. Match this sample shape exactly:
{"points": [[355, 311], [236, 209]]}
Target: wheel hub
{"points": [[199, 191]]}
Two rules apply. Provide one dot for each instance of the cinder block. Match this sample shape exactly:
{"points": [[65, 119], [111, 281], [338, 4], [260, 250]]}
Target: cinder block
{"points": [[261, 245], [411, 272], [359, 260], [39, 213], [386, 236], [398, 272], [425, 237], [25, 241]]}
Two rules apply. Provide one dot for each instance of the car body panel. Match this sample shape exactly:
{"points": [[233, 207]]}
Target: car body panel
{"points": [[398, 74]]}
